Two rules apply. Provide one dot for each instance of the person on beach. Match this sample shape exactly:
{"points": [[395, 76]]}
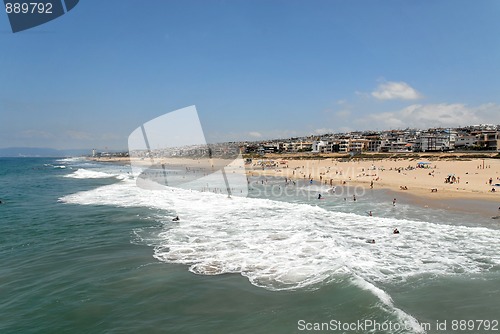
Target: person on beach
{"points": [[176, 219], [371, 184]]}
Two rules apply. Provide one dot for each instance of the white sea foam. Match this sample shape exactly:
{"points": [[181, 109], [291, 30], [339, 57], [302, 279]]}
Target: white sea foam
{"points": [[73, 159], [280, 245], [405, 318], [89, 174], [283, 246]]}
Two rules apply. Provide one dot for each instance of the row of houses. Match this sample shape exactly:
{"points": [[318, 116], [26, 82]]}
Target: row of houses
{"points": [[481, 137]]}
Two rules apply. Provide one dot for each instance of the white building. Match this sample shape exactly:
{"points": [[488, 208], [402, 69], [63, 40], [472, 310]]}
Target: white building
{"points": [[465, 141], [432, 143]]}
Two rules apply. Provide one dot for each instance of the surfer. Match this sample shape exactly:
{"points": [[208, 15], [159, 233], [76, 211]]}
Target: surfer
{"points": [[372, 241], [176, 219], [370, 214], [319, 196], [395, 231]]}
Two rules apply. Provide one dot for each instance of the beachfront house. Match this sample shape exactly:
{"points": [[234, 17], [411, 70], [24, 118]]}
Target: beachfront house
{"points": [[435, 141], [373, 143], [353, 145], [358, 145], [344, 145], [324, 146], [488, 140], [318, 146], [296, 146], [465, 141], [269, 148]]}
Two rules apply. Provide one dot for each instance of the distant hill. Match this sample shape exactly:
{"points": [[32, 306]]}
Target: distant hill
{"points": [[41, 152]]}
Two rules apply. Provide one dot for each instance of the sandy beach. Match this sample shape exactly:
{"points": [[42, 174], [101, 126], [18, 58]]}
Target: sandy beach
{"points": [[434, 178]]}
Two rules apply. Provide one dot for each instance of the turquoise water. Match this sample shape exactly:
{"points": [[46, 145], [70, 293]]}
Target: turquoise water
{"points": [[83, 250]]}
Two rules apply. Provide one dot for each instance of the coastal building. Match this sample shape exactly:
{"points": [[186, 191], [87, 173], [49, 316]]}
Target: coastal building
{"points": [[319, 146], [480, 137], [488, 140], [269, 148], [295, 146], [344, 145], [358, 145], [431, 143], [465, 142], [325, 146], [373, 144]]}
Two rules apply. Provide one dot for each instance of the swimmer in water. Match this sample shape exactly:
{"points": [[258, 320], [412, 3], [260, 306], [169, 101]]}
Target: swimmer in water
{"points": [[176, 219], [395, 231]]}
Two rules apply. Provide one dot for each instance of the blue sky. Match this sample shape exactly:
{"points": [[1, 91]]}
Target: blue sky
{"points": [[254, 69]]}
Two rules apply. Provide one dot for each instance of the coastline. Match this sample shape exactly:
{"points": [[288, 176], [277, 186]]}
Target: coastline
{"points": [[401, 175], [470, 191]]}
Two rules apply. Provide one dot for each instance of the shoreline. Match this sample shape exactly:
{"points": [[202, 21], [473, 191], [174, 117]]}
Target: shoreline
{"points": [[471, 191], [468, 178]]}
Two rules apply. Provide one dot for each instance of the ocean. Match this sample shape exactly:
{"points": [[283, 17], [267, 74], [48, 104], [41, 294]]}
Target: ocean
{"points": [[83, 249]]}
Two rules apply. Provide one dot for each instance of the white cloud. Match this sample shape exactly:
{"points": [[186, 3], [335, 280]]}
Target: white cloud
{"points": [[395, 91], [435, 115], [255, 134]]}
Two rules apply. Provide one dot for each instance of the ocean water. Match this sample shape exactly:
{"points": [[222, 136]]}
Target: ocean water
{"points": [[83, 249]]}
